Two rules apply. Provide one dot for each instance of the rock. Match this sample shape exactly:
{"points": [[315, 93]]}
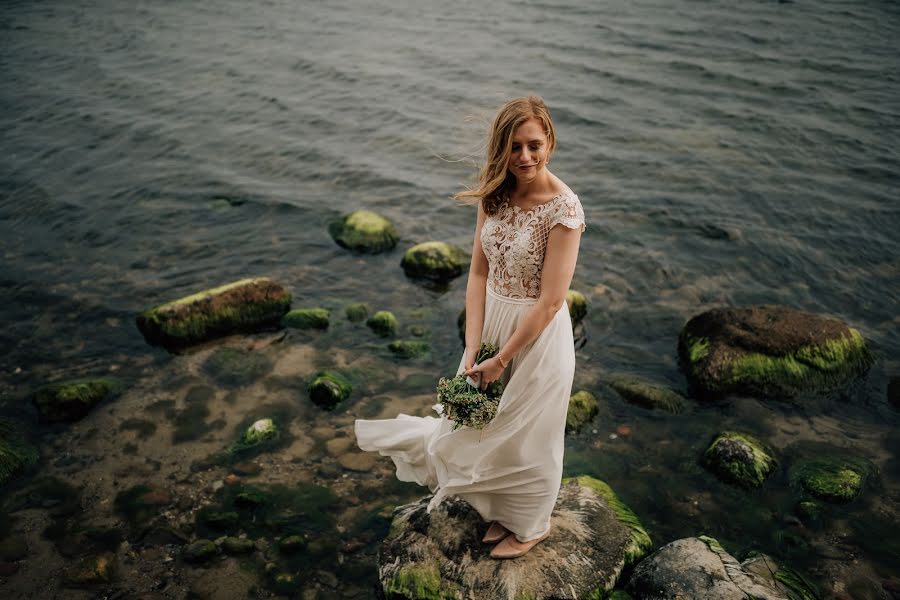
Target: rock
{"points": [[92, 570], [15, 452], [437, 261], [809, 510], [306, 318], [235, 545], [698, 568], [384, 323], [739, 458], [837, 478], [583, 406], [648, 395], [72, 400], [577, 304], [213, 519], [260, 431], [440, 554], [292, 544], [357, 312], [338, 446], [329, 389], [357, 461], [364, 231], [139, 503], [408, 348], [243, 305], [770, 350], [235, 367], [200, 551]]}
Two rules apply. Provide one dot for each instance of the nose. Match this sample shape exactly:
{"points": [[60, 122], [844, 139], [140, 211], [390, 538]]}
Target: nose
{"points": [[526, 157]]}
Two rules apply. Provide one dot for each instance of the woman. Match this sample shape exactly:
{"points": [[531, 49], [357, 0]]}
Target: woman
{"points": [[527, 234]]}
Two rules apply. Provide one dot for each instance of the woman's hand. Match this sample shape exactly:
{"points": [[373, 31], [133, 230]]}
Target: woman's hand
{"points": [[489, 371]]}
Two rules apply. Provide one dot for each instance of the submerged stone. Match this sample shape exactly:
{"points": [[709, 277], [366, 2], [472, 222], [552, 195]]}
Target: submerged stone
{"points": [[835, 479], [809, 510], [357, 312], [236, 367], [15, 451], [430, 555], [243, 305], [306, 318], [701, 568], [583, 407], [437, 261], [770, 350], [72, 400], [648, 395], [200, 551], [384, 323], [329, 389], [408, 348], [577, 304], [739, 458], [292, 544], [260, 431], [236, 545], [92, 570], [364, 231]]}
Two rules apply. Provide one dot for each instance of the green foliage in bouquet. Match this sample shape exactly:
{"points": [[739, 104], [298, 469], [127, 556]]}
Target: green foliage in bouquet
{"points": [[466, 405]]}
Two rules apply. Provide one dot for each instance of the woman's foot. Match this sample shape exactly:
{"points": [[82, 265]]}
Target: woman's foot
{"points": [[495, 533], [511, 547]]}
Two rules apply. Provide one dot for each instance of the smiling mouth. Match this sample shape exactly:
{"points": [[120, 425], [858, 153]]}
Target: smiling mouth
{"points": [[527, 166]]}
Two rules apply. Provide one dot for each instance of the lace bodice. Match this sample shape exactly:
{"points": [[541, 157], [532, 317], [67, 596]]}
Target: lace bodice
{"points": [[515, 241]]}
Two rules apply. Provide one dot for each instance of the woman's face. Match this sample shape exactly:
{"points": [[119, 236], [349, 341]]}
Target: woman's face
{"points": [[529, 151]]}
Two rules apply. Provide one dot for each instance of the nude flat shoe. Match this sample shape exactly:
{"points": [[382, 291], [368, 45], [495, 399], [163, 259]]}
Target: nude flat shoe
{"points": [[510, 547], [495, 533]]}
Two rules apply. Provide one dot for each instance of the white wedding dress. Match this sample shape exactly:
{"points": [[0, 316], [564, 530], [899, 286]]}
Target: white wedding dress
{"points": [[511, 470]]}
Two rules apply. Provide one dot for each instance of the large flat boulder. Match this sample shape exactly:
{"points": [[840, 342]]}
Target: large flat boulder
{"points": [[770, 351], [239, 306], [440, 554]]}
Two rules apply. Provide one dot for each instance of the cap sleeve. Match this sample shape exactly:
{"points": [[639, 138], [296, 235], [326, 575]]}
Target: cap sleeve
{"points": [[569, 213]]}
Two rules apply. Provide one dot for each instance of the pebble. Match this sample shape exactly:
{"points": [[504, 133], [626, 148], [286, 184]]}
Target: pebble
{"points": [[623, 430], [232, 479], [613, 436]]}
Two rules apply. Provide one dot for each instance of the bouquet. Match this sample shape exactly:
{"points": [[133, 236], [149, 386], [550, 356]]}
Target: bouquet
{"points": [[464, 403]]}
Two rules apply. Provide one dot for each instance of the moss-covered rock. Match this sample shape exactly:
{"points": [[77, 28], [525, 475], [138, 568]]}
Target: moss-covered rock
{"points": [[200, 551], [809, 510], [92, 570], [243, 305], [770, 350], [292, 544], [437, 261], [648, 395], [328, 389], [739, 458], [235, 545], [577, 304], [236, 367], [306, 318], [364, 231], [15, 451], [583, 407], [357, 311], [213, 520], [384, 323], [260, 431], [408, 348], [835, 479], [72, 400]]}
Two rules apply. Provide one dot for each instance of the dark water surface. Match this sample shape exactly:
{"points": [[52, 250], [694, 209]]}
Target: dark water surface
{"points": [[725, 153]]}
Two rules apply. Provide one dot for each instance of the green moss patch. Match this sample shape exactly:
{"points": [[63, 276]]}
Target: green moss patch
{"points": [[357, 312], [408, 348], [577, 304], [648, 395], [437, 261], [583, 406], [835, 479], [72, 400], [739, 458], [328, 389], [306, 318], [364, 231], [15, 452], [383, 323]]}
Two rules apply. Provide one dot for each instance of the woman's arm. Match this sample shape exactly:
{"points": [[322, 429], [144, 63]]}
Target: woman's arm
{"points": [[556, 276], [475, 292]]}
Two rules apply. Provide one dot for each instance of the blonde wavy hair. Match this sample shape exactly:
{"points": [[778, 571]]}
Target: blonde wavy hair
{"points": [[494, 179]]}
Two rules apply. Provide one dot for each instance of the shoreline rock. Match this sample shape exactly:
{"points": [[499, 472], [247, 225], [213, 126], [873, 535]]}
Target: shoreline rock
{"points": [[364, 231], [739, 458], [72, 400], [437, 261]]}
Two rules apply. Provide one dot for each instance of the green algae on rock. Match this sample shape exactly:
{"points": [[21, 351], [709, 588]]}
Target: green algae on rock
{"points": [[292, 544], [835, 479], [15, 452], [364, 231], [72, 400], [306, 318], [328, 389], [739, 458], [235, 545], [577, 304], [437, 261], [357, 311], [260, 431], [236, 367], [408, 348], [648, 395], [239, 306], [771, 350], [383, 323], [583, 407], [200, 551]]}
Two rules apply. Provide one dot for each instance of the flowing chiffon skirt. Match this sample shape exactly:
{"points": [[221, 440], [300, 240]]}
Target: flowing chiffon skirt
{"points": [[511, 470]]}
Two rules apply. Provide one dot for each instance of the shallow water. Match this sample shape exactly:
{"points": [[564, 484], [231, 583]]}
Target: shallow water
{"points": [[724, 154]]}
